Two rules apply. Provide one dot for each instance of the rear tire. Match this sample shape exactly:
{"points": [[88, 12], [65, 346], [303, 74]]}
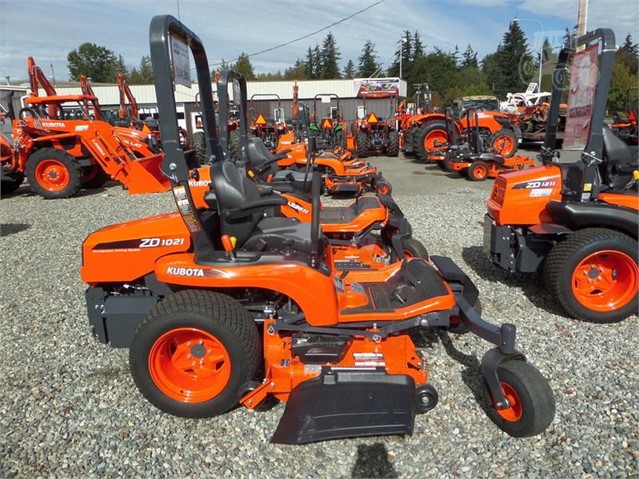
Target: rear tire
{"points": [[393, 144], [504, 142], [361, 144], [235, 145], [593, 275], [532, 403], [199, 145], [428, 134], [54, 174], [340, 139], [193, 352], [412, 249], [94, 177]]}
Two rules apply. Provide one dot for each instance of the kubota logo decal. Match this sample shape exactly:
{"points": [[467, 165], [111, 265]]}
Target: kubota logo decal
{"points": [[53, 124], [184, 271]]}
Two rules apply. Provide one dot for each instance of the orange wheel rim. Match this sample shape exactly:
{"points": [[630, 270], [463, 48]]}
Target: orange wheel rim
{"points": [[514, 410], [605, 281], [503, 145], [480, 172], [52, 175], [383, 189], [189, 365], [436, 140]]}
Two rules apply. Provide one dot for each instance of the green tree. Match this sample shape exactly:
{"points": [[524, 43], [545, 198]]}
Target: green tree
{"points": [[622, 79], [512, 66], [243, 65], [97, 62], [367, 65], [418, 48], [296, 72], [349, 70], [628, 54], [330, 57], [439, 70], [405, 54], [469, 58], [143, 74]]}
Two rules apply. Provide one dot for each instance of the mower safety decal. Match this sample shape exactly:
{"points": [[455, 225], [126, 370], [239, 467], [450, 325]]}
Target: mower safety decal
{"points": [[182, 201]]}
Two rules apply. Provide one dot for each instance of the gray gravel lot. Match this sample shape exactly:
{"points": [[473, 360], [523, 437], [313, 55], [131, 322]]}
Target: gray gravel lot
{"points": [[69, 408]]}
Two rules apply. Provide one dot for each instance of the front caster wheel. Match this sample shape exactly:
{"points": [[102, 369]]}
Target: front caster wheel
{"points": [[531, 403], [426, 398]]}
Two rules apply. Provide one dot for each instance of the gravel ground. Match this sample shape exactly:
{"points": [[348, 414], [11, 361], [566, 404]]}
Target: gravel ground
{"points": [[69, 408]]}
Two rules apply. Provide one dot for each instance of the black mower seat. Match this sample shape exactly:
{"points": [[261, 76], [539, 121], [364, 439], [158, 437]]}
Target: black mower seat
{"points": [[342, 215], [492, 157], [620, 161], [250, 216]]}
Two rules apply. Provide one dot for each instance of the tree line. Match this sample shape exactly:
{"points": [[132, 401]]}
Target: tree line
{"points": [[449, 74]]}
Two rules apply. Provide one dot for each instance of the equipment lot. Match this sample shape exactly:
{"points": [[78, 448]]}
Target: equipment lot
{"points": [[69, 408]]}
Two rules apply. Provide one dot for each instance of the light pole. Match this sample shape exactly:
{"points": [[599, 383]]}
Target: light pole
{"points": [[541, 46], [401, 54]]}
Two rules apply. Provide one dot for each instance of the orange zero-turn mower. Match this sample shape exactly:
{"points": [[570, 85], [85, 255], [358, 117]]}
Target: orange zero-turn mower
{"points": [[469, 155], [359, 234], [575, 223], [212, 321], [341, 174]]}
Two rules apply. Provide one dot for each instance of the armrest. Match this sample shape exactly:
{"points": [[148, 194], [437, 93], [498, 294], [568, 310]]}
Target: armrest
{"points": [[267, 164], [265, 189], [284, 152], [255, 207]]}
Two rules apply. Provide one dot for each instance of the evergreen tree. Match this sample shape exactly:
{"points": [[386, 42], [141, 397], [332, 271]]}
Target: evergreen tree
{"points": [[469, 58], [349, 70], [309, 65], [143, 74], [243, 66], [514, 64], [367, 66], [438, 69], [628, 54], [418, 48], [297, 71], [330, 57], [405, 53]]}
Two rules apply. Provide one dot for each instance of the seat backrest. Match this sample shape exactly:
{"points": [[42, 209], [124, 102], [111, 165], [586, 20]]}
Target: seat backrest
{"points": [[619, 160], [232, 190]]}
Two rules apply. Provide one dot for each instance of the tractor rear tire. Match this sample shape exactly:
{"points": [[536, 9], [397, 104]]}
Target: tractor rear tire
{"points": [[193, 352], [531, 401], [477, 171], [504, 142], [426, 137], [393, 144], [199, 145], [593, 275], [235, 145], [94, 177], [54, 174], [361, 144], [11, 184]]}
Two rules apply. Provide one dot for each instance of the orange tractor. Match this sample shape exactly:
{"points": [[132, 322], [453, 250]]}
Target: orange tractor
{"points": [[268, 129], [575, 223], [60, 147], [429, 135], [374, 134], [233, 303], [471, 157]]}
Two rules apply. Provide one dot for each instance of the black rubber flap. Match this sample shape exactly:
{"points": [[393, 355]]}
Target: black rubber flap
{"points": [[342, 404]]}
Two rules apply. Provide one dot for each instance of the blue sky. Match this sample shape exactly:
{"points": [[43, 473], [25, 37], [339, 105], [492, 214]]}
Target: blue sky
{"points": [[49, 29]]}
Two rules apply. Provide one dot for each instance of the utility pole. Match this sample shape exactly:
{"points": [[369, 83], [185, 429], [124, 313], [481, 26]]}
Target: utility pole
{"points": [[582, 17]]}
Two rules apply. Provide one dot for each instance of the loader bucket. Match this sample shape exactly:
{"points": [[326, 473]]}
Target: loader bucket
{"points": [[143, 175]]}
